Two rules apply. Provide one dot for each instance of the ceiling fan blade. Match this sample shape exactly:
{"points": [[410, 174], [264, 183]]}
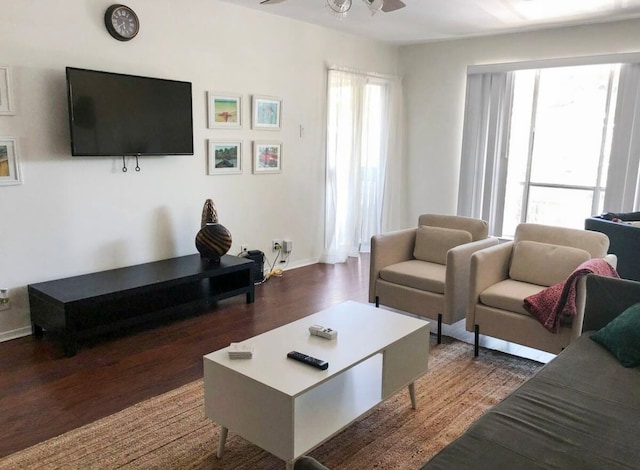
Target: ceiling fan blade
{"points": [[270, 2], [392, 5]]}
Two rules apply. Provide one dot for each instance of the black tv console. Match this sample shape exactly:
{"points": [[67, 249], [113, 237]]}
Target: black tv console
{"points": [[99, 302]]}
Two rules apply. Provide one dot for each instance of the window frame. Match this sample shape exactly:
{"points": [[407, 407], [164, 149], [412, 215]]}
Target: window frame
{"points": [[485, 138]]}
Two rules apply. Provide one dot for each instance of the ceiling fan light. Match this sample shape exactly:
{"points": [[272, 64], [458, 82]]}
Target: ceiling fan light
{"points": [[374, 5], [339, 7]]}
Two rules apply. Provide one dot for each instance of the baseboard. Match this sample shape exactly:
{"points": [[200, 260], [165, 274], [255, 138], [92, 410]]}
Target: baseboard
{"points": [[301, 263], [14, 334]]}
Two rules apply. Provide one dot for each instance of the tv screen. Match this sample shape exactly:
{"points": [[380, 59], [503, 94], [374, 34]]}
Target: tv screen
{"points": [[113, 114]]}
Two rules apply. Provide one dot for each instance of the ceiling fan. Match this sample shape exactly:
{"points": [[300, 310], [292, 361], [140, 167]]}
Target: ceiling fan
{"points": [[341, 7]]}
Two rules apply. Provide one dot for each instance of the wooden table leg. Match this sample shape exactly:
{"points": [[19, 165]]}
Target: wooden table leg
{"points": [[37, 330], [69, 344], [412, 394], [223, 438]]}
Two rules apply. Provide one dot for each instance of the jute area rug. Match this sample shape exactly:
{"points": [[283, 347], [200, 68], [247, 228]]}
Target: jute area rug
{"points": [[170, 431]]}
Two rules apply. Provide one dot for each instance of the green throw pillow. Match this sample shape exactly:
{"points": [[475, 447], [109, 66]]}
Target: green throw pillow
{"points": [[622, 337]]}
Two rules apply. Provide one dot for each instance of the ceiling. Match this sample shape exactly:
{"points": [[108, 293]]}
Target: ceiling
{"points": [[433, 20]]}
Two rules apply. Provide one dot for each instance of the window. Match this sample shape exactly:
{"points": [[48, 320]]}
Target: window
{"points": [[540, 145], [359, 123], [559, 145]]}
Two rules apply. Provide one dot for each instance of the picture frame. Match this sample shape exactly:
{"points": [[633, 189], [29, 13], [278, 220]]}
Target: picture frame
{"points": [[6, 97], [267, 157], [266, 112], [224, 157], [224, 110], [10, 172]]}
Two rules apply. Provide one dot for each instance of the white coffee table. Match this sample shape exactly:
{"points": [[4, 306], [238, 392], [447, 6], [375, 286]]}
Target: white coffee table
{"points": [[288, 408]]}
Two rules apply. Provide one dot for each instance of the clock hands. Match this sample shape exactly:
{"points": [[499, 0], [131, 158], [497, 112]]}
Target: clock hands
{"points": [[121, 22]]}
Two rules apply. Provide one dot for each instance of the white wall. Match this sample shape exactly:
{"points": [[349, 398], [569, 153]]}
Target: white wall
{"points": [[78, 215], [435, 80]]}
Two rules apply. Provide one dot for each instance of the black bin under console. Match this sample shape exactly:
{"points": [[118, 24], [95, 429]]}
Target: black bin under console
{"points": [[257, 257]]}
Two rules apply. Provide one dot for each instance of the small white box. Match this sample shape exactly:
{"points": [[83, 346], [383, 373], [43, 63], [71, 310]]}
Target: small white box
{"points": [[240, 351]]}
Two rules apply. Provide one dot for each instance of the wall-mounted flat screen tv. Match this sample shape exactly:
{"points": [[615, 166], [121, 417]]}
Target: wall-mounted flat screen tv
{"points": [[113, 114]]}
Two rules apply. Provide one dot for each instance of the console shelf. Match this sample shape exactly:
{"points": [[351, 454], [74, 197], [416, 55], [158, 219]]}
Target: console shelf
{"points": [[98, 302]]}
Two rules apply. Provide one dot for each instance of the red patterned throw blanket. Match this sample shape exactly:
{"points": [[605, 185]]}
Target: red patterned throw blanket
{"points": [[558, 302]]}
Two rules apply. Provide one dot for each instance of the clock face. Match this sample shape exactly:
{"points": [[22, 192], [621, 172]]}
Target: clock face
{"points": [[121, 22]]}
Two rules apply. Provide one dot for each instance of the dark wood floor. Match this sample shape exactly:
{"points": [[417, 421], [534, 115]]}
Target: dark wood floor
{"points": [[44, 394]]}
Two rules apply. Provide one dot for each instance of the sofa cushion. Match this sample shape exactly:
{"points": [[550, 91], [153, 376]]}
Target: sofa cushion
{"points": [[509, 295], [621, 337], [433, 243], [581, 411], [417, 274], [544, 264]]}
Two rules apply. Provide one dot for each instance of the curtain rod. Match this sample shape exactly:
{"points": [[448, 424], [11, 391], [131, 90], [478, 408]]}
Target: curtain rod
{"points": [[361, 72], [620, 58]]}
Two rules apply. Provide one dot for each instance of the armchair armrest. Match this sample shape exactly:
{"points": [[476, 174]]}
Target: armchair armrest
{"points": [[387, 249], [488, 267], [612, 260], [457, 275]]}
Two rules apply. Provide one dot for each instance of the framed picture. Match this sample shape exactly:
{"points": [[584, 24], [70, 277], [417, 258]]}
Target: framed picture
{"points": [[225, 157], [225, 110], [6, 105], [266, 112], [267, 157], [9, 162]]}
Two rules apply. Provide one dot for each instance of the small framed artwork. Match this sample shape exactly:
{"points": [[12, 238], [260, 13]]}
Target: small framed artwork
{"points": [[6, 104], [267, 157], [225, 157], [225, 110], [9, 162], [266, 112]]}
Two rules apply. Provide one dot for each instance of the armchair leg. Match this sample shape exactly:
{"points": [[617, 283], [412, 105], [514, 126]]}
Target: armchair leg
{"points": [[377, 301], [439, 328], [476, 343]]}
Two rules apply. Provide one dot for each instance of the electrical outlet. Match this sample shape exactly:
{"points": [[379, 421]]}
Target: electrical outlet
{"points": [[287, 246], [276, 244], [244, 248]]}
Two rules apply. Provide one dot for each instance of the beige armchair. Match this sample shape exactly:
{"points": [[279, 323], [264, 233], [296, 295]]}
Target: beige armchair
{"points": [[425, 270], [503, 276]]}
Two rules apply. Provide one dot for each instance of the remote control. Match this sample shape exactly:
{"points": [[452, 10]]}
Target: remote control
{"points": [[312, 361], [323, 332]]}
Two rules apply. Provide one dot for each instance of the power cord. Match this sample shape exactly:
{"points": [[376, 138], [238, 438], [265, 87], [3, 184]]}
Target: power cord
{"points": [[273, 271]]}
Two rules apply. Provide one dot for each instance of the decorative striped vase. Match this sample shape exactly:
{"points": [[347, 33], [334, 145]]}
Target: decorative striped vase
{"points": [[213, 240]]}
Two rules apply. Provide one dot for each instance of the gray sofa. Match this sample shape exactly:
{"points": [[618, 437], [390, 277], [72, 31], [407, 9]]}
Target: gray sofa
{"points": [[581, 411]]}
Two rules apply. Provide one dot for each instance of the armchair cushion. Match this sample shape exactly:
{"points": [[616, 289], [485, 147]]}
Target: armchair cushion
{"points": [[621, 337], [433, 243], [544, 264], [508, 295], [417, 274]]}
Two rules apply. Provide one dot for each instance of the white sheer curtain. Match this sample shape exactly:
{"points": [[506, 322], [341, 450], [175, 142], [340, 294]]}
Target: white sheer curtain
{"points": [[363, 119]]}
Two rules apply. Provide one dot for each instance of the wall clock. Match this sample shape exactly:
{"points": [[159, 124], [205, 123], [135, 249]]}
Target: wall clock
{"points": [[121, 22]]}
